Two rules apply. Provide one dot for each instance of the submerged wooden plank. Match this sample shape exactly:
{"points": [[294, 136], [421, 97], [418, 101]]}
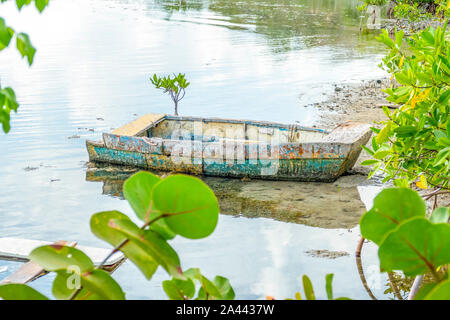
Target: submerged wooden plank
{"points": [[140, 125]]}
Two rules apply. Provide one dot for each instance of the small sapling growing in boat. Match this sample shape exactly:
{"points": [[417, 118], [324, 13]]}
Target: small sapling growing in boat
{"points": [[175, 87]]}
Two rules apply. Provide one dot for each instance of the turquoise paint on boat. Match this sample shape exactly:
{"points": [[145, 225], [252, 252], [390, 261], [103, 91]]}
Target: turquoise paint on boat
{"points": [[120, 157], [233, 148]]}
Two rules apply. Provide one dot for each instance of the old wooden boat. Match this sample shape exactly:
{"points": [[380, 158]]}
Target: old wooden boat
{"points": [[232, 148]]}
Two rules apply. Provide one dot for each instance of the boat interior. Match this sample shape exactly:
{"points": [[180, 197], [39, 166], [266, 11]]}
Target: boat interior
{"points": [[211, 130]]}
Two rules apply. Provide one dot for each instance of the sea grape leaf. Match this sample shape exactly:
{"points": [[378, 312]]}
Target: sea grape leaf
{"points": [[96, 285], [415, 247], [17, 291], [440, 292], [138, 191], [152, 243], [177, 289], [191, 206], [56, 257], [140, 257], [225, 288], [208, 289], [391, 207]]}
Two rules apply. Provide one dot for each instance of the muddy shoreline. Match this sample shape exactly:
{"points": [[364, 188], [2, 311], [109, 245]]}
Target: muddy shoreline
{"points": [[360, 101], [354, 101]]}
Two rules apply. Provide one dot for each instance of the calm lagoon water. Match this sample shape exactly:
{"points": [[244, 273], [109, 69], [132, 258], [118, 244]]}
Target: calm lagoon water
{"points": [[251, 59]]}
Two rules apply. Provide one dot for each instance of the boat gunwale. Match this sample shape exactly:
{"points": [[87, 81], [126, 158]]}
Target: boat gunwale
{"points": [[243, 121]]}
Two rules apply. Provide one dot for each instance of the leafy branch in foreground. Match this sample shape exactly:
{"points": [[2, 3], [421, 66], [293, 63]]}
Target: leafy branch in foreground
{"points": [[8, 101], [177, 205], [174, 87], [413, 145], [408, 240]]}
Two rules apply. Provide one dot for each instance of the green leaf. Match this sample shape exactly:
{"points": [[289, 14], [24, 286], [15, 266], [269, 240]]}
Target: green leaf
{"points": [[9, 98], [25, 47], [190, 206], [177, 289], [21, 3], [369, 162], [68, 261], [96, 285], [16, 291], [424, 290], [100, 282], [402, 78], [440, 292], [444, 97], [399, 38], [139, 256], [401, 183], [224, 286], [208, 289], [138, 191], [308, 288], [6, 34], [440, 215], [391, 207], [367, 150], [381, 154], [405, 131], [439, 134], [428, 37], [328, 285], [415, 247], [41, 4], [56, 257], [152, 243], [384, 134], [444, 141], [4, 120], [441, 157]]}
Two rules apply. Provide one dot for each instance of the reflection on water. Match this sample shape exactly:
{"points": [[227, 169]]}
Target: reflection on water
{"points": [[262, 60], [323, 205], [287, 25]]}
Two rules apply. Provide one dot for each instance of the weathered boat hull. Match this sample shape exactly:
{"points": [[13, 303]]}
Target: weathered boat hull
{"points": [[296, 153]]}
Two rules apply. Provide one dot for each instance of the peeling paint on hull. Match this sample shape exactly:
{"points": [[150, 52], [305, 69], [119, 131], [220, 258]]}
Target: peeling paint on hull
{"points": [[324, 160]]}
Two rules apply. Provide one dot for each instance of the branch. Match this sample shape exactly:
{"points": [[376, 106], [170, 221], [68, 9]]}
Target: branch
{"points": [[124, 242]]}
